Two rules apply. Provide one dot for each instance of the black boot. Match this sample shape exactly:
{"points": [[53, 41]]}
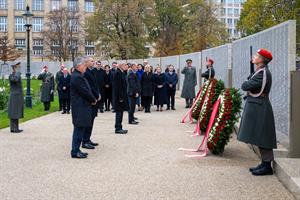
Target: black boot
{"points": [[266, 169], [251, 169]]}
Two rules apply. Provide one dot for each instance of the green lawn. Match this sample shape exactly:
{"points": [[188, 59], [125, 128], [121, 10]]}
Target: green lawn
{"points": [[37, 109]]}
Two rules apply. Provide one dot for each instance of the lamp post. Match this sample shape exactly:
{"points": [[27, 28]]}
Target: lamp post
{"points": [[28, 16]]}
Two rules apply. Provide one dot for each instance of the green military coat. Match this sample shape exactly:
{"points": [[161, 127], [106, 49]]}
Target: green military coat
{"points": [[47, 88], [16, 98], [189, 83], [257, 124]]}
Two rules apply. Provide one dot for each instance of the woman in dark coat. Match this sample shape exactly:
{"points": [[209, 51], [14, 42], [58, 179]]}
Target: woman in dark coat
{"points": [[147, 88], [257, 124], [47, 88], [159, 89], [108, 88]]}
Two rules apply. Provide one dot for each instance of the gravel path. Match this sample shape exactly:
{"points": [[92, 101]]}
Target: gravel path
{"points": [[144, 164]]}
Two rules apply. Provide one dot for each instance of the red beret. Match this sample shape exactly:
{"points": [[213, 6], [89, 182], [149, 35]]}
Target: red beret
{"points": [[211, 61], [265, 53]]}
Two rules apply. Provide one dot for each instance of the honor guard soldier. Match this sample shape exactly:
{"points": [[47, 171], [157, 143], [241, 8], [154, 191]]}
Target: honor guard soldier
{"points": [[16, 99], [257, 124], [210, 72]]}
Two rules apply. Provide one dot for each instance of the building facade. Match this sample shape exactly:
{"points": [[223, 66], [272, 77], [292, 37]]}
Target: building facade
{"points": [[12, 24], [229, 12]]}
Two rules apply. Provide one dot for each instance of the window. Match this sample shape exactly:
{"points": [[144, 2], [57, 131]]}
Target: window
{"points": [[19, 24], [229, 21], [230, 11], [37, 42], [38, 51], [3, 24], [55, 4], [37, 24], [73, 24], [55, 43], [89, 43], [235, 22], [223, 11], [3, 4], [20, 42], [37, 4], [19, 4], [89, 51], [223, 20], [89, 6], [236, 11], [72, 5]]}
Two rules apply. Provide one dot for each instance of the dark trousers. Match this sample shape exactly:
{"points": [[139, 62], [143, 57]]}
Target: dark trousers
{"points": [[119, 119], [267, 155], [78, 134], [14, 124], [132, 104], [46, 106], [189, 102], [171, 96], [60, 104], [88, 133], [147, 103], [65, 105]]}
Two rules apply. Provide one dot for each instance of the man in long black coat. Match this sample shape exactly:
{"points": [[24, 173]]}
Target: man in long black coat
{"points": [[257, 124], [89, 76], [99, 74], [63, 87], [82, 100], [16, 99], [120, 97], [133, 91]]}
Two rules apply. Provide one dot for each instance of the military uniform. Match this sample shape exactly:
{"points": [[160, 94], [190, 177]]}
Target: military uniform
{"points": [[16, 101], [47, 89], [189, 83]]}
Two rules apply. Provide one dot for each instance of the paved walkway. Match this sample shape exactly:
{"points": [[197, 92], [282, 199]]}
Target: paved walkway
{"points": [[144, 164]]}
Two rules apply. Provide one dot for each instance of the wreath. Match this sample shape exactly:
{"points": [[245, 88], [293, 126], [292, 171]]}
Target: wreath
{"points": [[228, 114], [202, 92], [213, 92]]}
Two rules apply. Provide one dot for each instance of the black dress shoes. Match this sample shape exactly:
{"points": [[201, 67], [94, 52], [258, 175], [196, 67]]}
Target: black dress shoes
{"points": [[121, 131], [264, 170], [93, 143], [135, 118], [16, 131], [86, 154], [87, 146], [79, 155], [134, 123], [68, 112], [168, 108], [101, 111], [64, 112], [173, 108]]}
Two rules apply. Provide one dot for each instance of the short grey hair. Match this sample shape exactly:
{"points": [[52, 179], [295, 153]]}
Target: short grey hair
{"points": [[78, 61]]}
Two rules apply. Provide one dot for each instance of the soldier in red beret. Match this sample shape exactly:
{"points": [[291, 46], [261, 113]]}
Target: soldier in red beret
{"points": [[257, 124], [210, 72]]}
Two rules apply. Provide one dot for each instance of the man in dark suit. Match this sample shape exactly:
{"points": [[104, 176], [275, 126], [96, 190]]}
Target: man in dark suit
{"points": [[133, 91], [99, 74], [82, 100], [63, 86], [114, 68], [89, 76], [171, 81], [120, 96], [16, 100]]}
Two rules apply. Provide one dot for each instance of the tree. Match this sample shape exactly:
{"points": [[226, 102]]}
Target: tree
{"points": [[8, 52], [62, 32], [184, 26], [119, 26]]}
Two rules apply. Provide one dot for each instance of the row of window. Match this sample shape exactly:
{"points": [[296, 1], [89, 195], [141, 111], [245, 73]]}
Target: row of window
{"points": [[38, 5], [230, 22], [233, 1], [37, 24], [39, 42], [230, 11], [38, 48]]}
